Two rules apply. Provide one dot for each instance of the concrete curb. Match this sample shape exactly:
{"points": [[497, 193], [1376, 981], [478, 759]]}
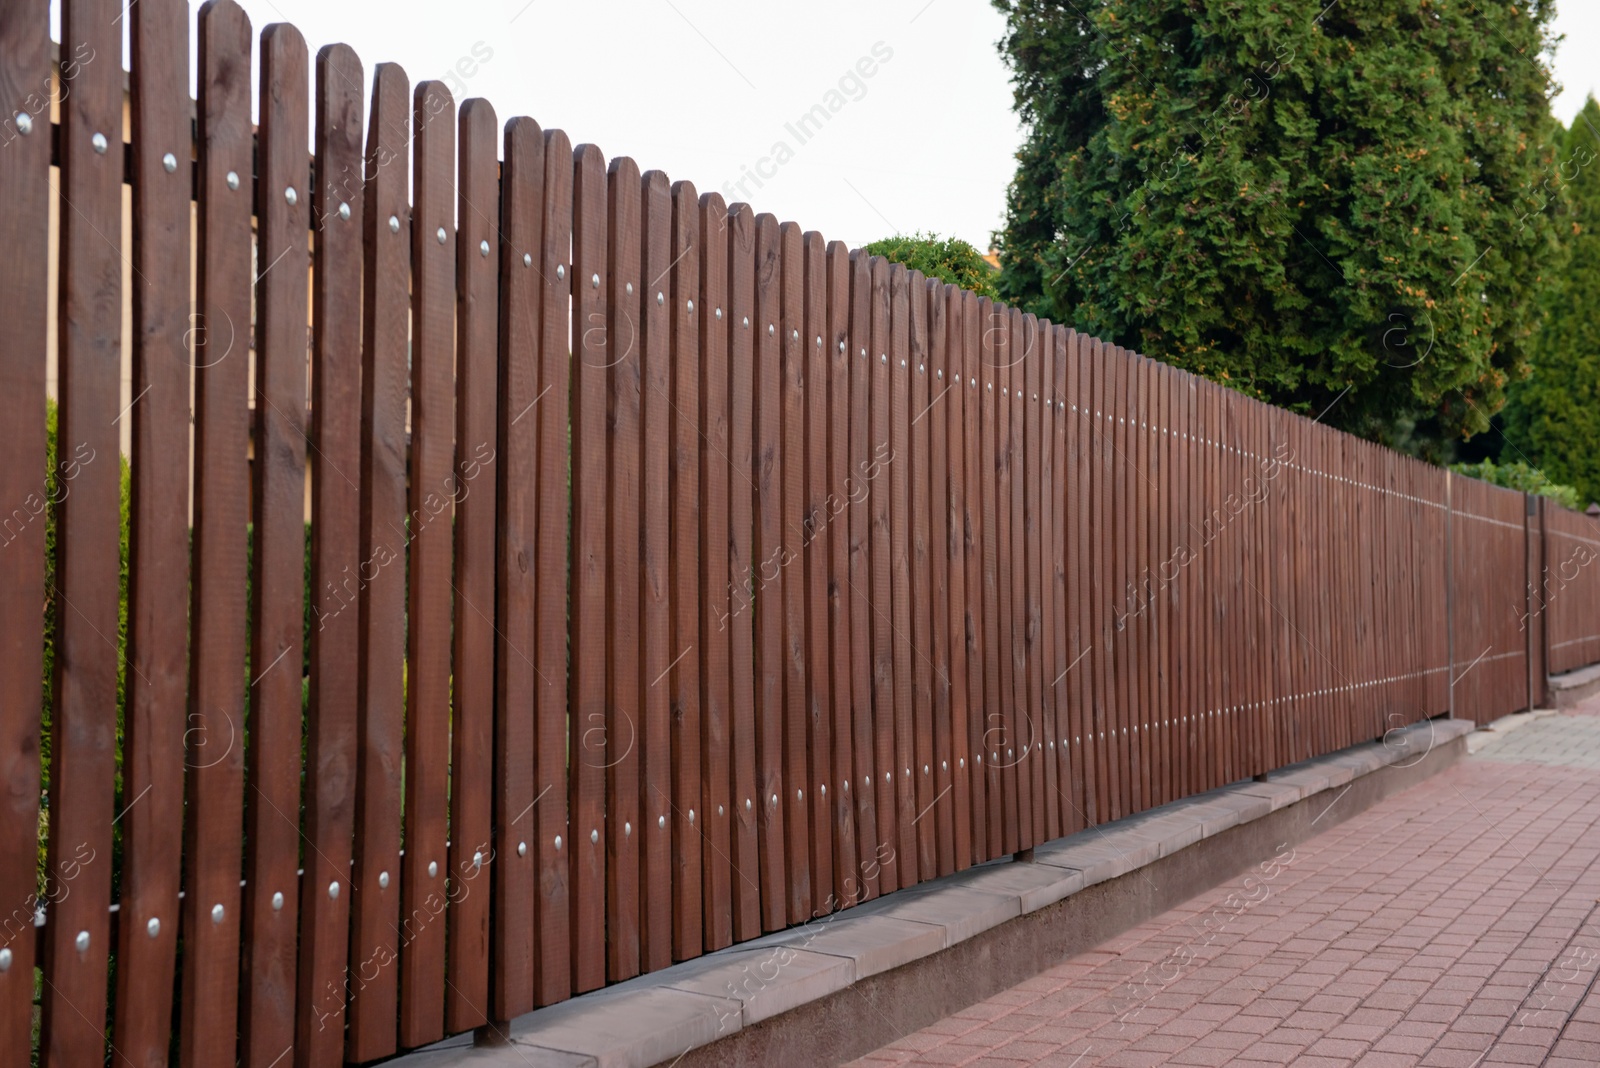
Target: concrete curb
{"points": [[1574, 687], [846, 983]]}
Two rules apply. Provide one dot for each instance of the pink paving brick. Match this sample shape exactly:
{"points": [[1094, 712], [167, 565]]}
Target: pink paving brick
{"points": [[1418, 932]]}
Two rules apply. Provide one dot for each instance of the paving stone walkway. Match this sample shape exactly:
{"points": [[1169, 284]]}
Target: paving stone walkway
{"points": [[1456, 924]]}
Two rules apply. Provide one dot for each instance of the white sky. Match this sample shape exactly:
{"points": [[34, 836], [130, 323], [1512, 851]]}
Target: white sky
{"points": [[703, 89]]}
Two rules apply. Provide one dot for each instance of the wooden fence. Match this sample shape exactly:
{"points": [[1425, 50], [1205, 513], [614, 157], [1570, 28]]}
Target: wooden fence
{"points": [[677, 575]]}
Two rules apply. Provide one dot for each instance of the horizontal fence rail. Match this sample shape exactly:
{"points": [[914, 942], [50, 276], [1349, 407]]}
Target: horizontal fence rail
{"points": [[672, 574]]}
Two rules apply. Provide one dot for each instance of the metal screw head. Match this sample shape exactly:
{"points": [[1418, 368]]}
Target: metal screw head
{"points": [[719, 810], [627, 829], [99, 143], [628, 288], [594, 281], [661, 298], [233, 179], [24, 126], [291, 197], [747, 804], [883, 357], [841, 346], [169, 162], [558, 841], [719, 313], [920, 369], [794, 335], [441, 235], [561, 272], [333, 890], [433, 869], [771, 329], [383, 880], [690, 306], [799, 795], [691, 815], [774, 799], [82, 941], [477, 859], [217, 910], [661, 821], [5, 960], [153, 928], [277, 904], [522, 849], [483, 248], [344, 212], [824, 787], [394, 224], [527, 259], [594, 835]]}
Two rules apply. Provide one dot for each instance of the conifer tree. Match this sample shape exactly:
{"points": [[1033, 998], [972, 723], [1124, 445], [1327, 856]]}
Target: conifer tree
{"points": [[1335, 208]]}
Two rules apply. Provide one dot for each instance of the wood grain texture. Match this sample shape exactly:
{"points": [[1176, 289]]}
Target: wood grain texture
{"points": [[865, 464], [677, 929], [812, 364], [611, 742], [24, 488], [158, 541], [335, 453], [217, 606], [516, 471], [277, 578], [473, 855], [380, 695], [593, 349], [768, 574], [839, 502], [716, 620], [431, 504], [553, 904], [746, 832], [84, 714]]}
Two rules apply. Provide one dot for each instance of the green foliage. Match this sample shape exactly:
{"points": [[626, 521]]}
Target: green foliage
{"points": [[1553, 419], [948, 259], [1519, 476], [1312, 208]]}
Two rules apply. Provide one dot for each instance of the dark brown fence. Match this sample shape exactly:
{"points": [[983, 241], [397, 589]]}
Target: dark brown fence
{"points": [[676, 575]]}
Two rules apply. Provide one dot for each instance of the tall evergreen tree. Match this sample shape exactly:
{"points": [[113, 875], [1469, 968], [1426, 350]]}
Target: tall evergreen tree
{"points": [[1553, 419], [1333, 211]]}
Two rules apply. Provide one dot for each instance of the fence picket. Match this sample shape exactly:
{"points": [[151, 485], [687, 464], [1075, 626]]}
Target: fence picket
{"points": [[380, 695], [516, 469], [717, 605], [84, 699], [594, 349], [675, 400], [554, 975], [472, 487], [611, 743], [158, 541], [335, 452], [797, 725], [24, 491], [749, 833], [815, 523]]}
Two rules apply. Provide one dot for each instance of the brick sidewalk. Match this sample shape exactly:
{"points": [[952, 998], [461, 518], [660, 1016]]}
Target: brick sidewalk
{"points": [[1456, 924]]}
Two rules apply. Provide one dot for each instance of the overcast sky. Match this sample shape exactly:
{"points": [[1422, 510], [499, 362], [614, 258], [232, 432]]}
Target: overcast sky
{"points": [[920, 134]]}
